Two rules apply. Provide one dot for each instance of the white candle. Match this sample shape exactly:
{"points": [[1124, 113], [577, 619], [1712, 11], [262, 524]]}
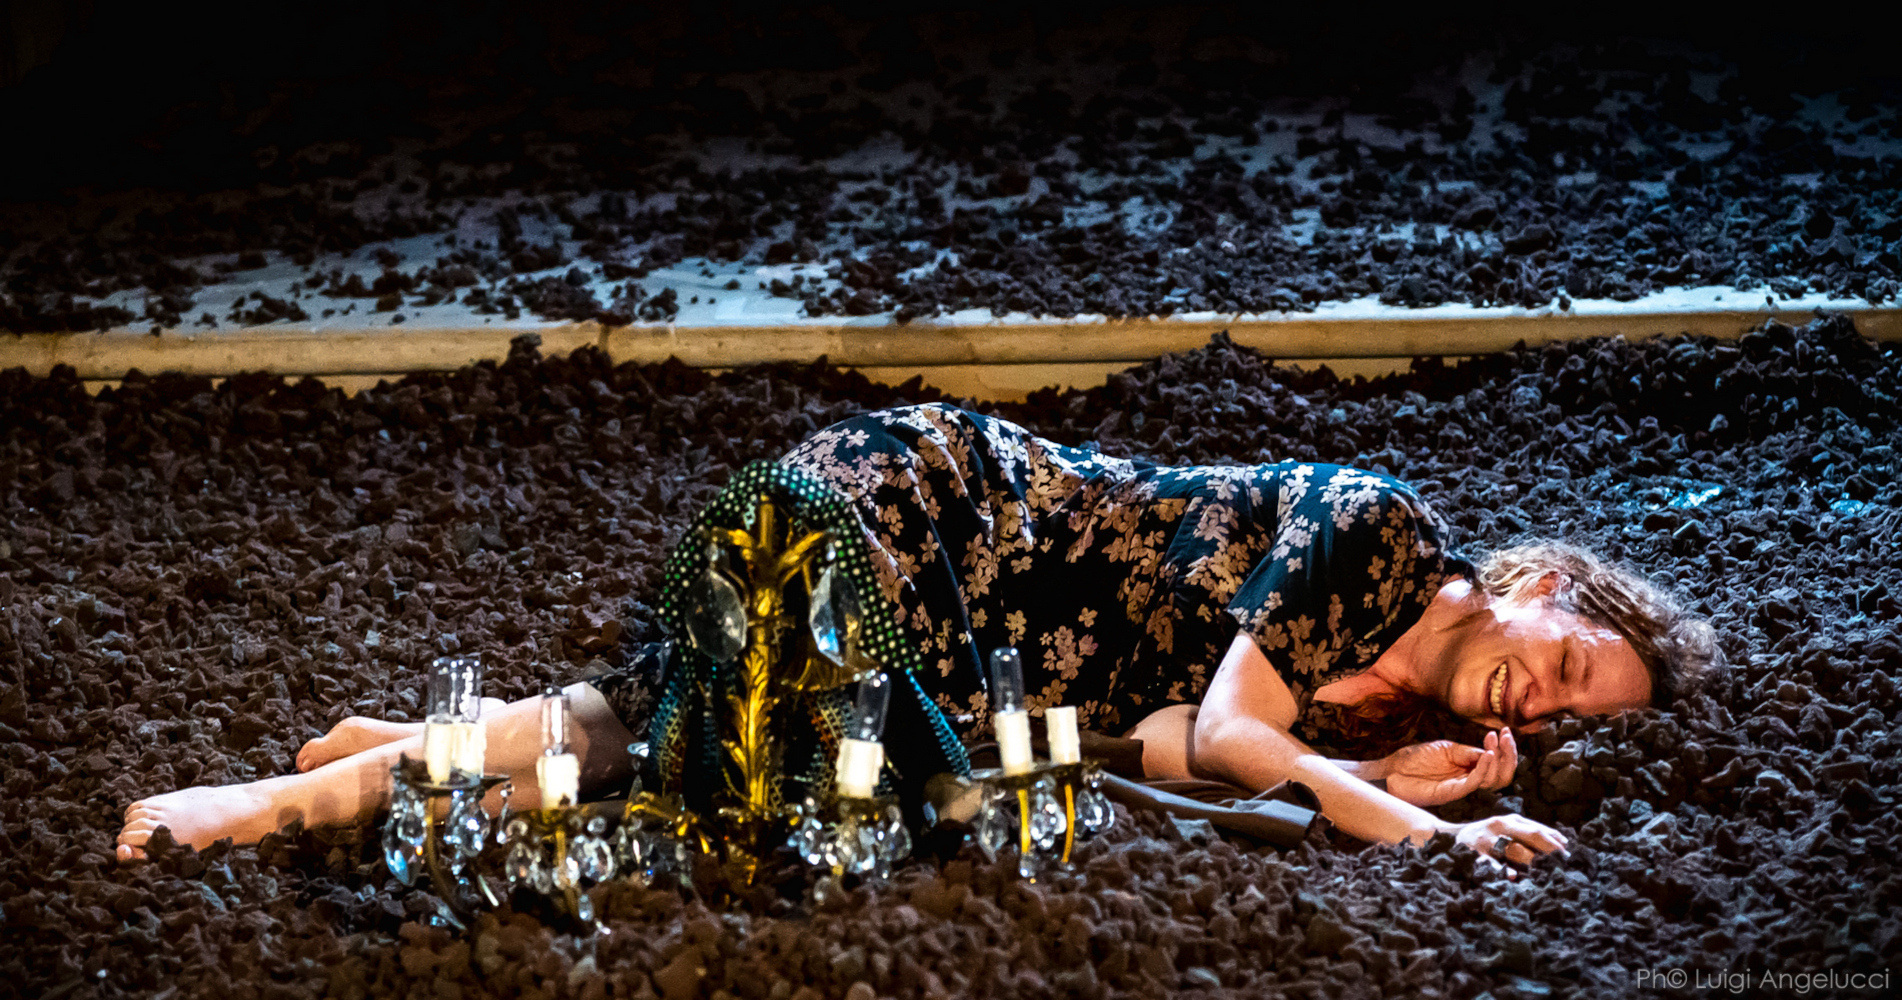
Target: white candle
{"points": [[859, 764], [472, 747], [439, 749], [1013, 741], [559, 775], [453, 746], [1060, 723]]}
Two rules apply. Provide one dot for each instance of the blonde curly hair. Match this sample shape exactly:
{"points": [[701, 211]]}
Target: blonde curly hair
{"points": [[1679, 650]]}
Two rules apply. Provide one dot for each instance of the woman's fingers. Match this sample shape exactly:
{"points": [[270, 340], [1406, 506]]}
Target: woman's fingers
{"points": [[1475, 776], [1535, 835], [1483, 770], [1494, 758], [1509, 758], [1512, 840]]}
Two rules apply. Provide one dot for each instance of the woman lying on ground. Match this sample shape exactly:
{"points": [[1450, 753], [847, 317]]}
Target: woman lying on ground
{"points": [[1312, 611]]}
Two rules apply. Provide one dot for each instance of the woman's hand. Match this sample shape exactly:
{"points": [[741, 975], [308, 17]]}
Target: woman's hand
{"points": [[1508, 839], [1431, 774]]}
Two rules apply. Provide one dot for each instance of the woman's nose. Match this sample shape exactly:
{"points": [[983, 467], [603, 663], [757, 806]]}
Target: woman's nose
{"points": [[1544, 698]]}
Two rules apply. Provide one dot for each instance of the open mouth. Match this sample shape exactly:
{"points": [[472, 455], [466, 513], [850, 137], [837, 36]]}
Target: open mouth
{"points": [[1498, 692]]}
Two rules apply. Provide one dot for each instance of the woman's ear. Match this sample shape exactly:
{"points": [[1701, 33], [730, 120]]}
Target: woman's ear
{"points": [[1551, 583]]}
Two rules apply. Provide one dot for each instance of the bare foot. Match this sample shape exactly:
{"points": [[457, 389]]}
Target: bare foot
{"points": [[199, 816], [353, 735], [357, 734]]}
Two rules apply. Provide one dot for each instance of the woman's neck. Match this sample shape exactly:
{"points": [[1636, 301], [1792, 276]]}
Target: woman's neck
{"points": [[1414, 663]]}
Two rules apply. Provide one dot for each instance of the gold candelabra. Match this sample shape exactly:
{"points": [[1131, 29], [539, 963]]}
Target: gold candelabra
{"points": [[738, 613]]}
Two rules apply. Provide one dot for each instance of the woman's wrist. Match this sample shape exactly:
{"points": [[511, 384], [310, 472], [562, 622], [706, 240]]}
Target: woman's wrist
{"points": [[1365, 770], [1425, 829]]}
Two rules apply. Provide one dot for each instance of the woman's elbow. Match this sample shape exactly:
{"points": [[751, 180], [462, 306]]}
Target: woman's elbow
{"points": [[1217, 745], [1206, 735], [1227, 747]]}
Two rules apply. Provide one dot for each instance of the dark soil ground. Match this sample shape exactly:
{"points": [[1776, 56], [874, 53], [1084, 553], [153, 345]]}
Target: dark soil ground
{"points": [[195, 580], [1153, 160]]}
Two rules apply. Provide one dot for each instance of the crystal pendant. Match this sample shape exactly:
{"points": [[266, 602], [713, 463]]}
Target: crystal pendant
{"points": [[682, 868], [467, 824], [716, 617], [809, 836], [566, 871], [502, 823], [834, 614], [592, 855], [522, 863], [1046, 815], [541, 875], [865, 850], [1093, 811], [413, 826], [897, 837], [404, 832], [630, 851], [994, 826], [584, 909], [840, 852], [399, 855]]}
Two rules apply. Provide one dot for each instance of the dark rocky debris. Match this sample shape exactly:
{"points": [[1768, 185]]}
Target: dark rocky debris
{"points": [[194, 580]]}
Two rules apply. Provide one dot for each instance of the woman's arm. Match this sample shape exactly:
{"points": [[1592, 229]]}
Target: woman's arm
{"points": [[1241, 736], [1168, 738]]}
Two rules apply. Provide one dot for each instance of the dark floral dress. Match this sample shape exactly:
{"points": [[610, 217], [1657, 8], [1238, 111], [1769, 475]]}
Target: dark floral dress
{"points": [[1121, 582]]}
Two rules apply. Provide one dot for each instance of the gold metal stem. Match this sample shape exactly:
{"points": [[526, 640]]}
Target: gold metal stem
{"points": [[572, 889], [1069, 820], [1023, 817], [439, 870]]}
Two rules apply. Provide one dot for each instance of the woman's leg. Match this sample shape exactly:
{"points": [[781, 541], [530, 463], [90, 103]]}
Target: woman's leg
{"points": [[353, 788], [1168, 737], [357, 734]]}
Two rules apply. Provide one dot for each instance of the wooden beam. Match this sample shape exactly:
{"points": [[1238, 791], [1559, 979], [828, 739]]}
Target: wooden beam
{"points": [[305, 351], [989, 383]]}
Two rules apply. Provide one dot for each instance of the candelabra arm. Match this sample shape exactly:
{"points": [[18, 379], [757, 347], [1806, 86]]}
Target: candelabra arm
{"points": [[570, 881], [454, 911]]}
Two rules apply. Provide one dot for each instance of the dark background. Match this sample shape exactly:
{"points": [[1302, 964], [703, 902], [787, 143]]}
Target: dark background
{"points": [[184, 95]]}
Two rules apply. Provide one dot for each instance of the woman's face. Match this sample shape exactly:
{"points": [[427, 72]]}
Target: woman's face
{"points": [[1525, 664]]}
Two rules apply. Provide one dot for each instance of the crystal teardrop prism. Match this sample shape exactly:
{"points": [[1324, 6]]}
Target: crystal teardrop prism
{"points": [[1093, 811], [835, 616], [593, 859], [1046, 815], [716, 617], [994, 826]]}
